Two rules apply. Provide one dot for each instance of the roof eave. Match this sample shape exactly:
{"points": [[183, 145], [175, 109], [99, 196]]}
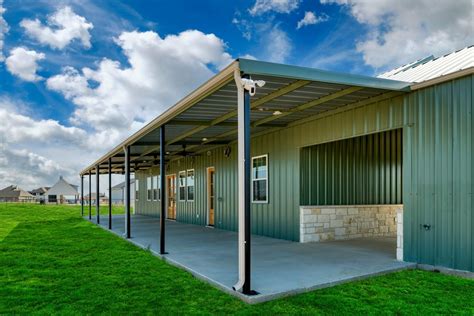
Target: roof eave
{"points": [[304, 73], [209, 86]]}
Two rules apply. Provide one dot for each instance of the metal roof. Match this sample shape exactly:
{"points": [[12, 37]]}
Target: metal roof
{"points": [[208, 116], [429, 68]]}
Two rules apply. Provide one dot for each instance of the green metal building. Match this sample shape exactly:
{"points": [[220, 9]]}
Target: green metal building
{"points": [[320, 141]]}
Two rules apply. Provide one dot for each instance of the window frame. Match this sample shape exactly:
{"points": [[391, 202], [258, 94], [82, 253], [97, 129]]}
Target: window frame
{"points": [[187, 185], [180, 197], [252, 179], [149, 188], [155, 184], [137, 189]]}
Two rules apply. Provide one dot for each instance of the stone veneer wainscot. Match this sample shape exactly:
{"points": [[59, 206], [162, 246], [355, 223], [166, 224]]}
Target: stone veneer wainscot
{"points": [[342, 222]]}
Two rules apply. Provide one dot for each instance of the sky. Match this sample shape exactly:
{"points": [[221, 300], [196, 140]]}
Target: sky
{"points": [[79, 76]]}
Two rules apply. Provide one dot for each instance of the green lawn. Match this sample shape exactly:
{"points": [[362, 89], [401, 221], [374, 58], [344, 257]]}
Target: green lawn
{"points": [[54, 262]]}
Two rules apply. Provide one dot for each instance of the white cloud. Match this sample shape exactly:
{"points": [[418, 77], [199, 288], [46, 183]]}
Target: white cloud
{"points": [[19, 128], [35, 152], [277, 45], [61, 29], [3, 29], [243, 25], [280, 6], [402, 31], [310, 18], [29, 170], [24, 63], [161, 71]]}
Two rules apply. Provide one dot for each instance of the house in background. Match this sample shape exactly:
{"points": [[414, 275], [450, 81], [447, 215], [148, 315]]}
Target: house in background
{"points": [[39, 193], [14, 193], [118, 193], [62, 193], [103, 199]]}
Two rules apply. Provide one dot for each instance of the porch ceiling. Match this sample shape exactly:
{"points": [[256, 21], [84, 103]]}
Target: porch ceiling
{"points": [[208, 116]]}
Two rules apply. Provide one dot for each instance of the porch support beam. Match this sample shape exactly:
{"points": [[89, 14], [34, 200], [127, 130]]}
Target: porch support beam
{"points": [[243, 154], [110, 193], [127, 191], [246, 131], [90, 193], [97, 199], [82, 195], [162, 189]]}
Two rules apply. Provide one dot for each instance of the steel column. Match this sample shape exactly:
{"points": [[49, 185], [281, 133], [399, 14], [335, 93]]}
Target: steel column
{"points": [[162, 189], [246, 289], [97, 199], [82, 195], [110, 193], [127, 191], [90, 193]]}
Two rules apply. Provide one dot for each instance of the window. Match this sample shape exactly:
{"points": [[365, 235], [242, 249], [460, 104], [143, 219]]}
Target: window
{"points": [[155, 188], [149, 187], [137, 190], [182, 185], [190, 184], [260, 179]]}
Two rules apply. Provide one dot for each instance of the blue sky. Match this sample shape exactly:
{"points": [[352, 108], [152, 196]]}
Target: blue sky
{"points": [[110, 19], [76, 71]]}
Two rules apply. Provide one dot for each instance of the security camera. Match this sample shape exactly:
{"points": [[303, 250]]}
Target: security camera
{"points": [[249, 85]]}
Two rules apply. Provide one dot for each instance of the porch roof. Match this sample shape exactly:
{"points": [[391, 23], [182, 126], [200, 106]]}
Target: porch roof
{"points": [[207, 117]]}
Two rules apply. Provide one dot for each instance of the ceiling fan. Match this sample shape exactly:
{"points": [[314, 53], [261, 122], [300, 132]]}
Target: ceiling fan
{"points": [[184, 153]]}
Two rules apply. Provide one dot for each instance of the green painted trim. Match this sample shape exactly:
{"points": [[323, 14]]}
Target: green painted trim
{"points": [[255, 67]]}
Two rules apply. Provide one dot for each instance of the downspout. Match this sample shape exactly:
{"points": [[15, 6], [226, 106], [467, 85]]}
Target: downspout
{"points": [[241, 184]]}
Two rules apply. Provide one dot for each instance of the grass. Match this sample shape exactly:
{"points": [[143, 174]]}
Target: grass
{"points": [[54, 262]]}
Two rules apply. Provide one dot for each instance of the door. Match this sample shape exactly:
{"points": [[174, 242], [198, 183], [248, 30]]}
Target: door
{"points": [[171, 187], [210, 195]]}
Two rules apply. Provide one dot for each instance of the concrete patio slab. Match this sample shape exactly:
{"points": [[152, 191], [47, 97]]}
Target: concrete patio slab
{"points": [[279, 267]]}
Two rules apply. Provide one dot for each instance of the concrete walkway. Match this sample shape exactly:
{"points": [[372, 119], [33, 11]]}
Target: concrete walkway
{"points": [[279, 267]]}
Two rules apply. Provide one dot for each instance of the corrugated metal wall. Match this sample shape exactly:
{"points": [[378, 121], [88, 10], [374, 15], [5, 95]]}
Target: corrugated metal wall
{"points": [[280, 217], [360, 170], [438, 173]]}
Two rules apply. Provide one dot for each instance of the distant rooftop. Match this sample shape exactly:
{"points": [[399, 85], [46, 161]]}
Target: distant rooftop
{"points": [[430, 67]]}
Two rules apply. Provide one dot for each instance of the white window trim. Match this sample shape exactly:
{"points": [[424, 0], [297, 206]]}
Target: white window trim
{"points": [[253, 180], [159, 187], [194, 185], [149, 197], [153, 188], [137, 189], [180, 198]]}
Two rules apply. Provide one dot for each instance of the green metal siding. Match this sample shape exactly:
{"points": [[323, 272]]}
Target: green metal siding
{"points": [[438, 173], [360, 170], [280, 217]]}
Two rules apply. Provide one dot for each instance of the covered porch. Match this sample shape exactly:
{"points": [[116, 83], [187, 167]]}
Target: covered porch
{"points": [[279, 267]]}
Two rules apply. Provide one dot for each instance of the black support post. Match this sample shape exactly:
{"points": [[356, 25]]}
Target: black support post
{"points": [[110, 193], [246, 287], [127, 190], [90, 195], [162, 189], [82, 195], [97, 194]]}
